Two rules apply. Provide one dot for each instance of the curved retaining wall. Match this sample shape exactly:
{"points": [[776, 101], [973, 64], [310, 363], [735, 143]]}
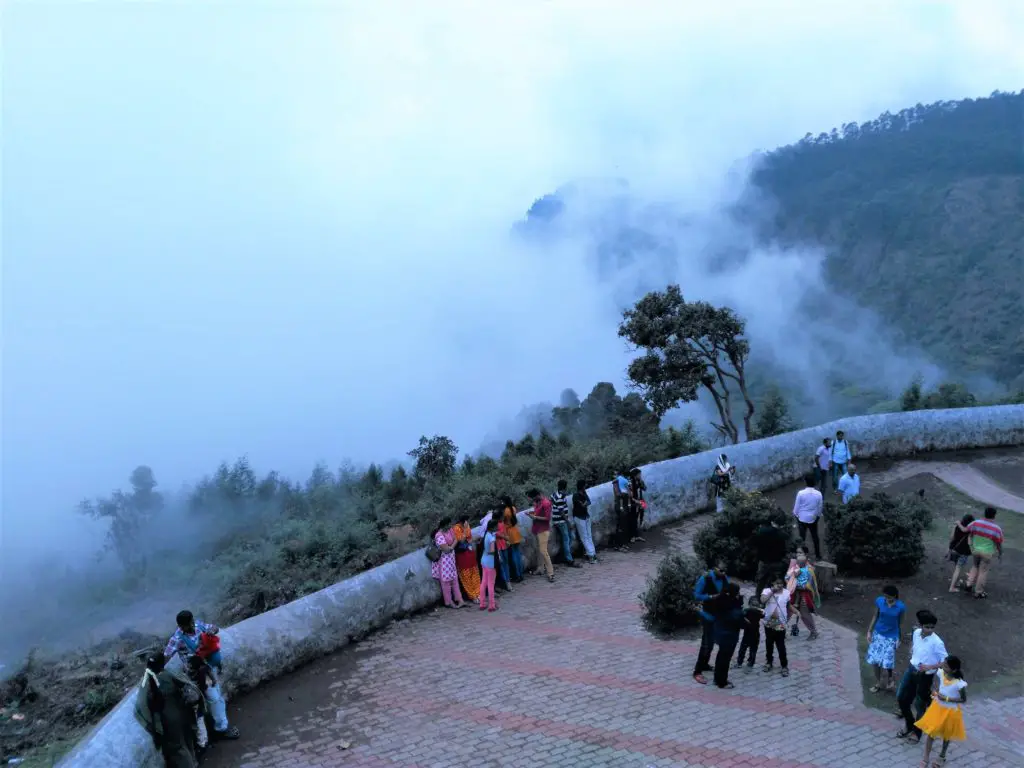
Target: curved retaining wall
{"points": [[273, 643]]}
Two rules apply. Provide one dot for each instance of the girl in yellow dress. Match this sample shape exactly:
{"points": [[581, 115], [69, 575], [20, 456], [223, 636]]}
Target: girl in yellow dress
{"points": [[944, 718]]}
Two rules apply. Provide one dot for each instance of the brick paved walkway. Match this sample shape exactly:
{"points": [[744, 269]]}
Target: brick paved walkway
{"points": [[565, 674]]}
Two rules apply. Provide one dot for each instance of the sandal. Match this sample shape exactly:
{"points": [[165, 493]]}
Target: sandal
{"points": [[980, 595], [875, 688]]}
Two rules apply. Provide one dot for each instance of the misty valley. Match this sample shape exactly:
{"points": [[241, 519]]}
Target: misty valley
{"points": [[884, 270]]}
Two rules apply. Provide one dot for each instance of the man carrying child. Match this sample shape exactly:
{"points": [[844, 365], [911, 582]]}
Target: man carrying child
{"points": [[198, 639]]}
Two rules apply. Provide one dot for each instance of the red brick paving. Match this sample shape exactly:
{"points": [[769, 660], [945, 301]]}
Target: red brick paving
{"points": [[565, 674]]}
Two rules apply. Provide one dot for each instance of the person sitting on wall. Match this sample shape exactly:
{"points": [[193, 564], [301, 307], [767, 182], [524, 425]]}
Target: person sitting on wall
{"points": [[188, 640], [166, 703], [721, 481]]}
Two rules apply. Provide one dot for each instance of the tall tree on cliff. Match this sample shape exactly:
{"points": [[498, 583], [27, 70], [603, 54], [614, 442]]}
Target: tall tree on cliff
{"points": [[687, 346]]}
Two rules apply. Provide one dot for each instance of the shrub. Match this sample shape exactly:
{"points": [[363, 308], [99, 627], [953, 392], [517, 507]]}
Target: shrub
{"points": [[729, 537], [877, 536], [668, 601]]}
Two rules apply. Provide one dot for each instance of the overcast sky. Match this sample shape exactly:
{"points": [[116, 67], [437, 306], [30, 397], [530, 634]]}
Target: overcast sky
{"points": [[280, 228]]}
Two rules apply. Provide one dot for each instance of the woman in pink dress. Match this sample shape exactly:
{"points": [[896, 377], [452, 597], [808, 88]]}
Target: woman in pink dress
{"points": [[445, 570]]}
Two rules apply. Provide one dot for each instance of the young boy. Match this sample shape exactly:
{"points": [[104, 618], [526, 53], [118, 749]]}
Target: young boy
{"points": [[751, 631]]}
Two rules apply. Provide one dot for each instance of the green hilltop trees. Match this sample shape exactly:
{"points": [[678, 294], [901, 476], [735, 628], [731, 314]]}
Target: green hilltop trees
{"points": [[689, 347]]}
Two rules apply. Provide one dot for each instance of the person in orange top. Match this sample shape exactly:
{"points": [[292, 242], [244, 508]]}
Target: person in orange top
{"points": [[465, 559], [510, 518], [503, 555]]}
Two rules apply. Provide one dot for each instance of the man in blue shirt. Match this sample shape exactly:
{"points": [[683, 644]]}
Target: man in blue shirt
{"points": [[841, 456], [849, 484], [708, 587]]}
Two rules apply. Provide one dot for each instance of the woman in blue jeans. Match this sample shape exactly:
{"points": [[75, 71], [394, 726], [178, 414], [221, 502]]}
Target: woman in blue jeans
{"points": [[581, 518]]}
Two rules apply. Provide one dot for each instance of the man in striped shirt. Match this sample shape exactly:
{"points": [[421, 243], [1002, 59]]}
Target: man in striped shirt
{"points": [[560, 521], [986, 539]]}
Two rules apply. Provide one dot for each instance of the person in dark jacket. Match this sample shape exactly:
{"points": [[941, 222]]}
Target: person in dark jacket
{"points": [[960, 550], [751, 631], [728, 611], [771, 542], [166, 706], [708, 587]]}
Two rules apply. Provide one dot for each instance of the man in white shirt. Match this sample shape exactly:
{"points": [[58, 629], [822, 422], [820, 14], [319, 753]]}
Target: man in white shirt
{"points": [[823, 463], [807, 509], [849, 484], [926, 655]]}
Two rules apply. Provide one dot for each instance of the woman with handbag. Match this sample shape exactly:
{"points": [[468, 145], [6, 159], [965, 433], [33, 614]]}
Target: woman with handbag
{"points": [[444, 569]]}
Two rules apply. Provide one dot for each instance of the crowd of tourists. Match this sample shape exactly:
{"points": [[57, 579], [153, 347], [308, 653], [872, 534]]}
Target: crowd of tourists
{"points": [[929, 695], [932, 690], [183, 708], [471, 567]]}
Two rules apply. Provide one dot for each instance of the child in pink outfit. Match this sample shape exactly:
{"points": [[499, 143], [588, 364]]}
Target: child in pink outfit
{"points": [[488, 564], [444, 570]]}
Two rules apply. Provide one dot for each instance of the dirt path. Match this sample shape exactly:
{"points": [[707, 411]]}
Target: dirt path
{"points": [[964, 477]]}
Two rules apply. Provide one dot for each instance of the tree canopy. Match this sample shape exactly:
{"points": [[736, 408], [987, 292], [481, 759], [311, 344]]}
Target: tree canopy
{"points": [[689, 346]]}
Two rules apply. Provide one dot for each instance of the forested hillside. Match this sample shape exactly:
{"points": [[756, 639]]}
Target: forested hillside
{"points": [[923, 216]]}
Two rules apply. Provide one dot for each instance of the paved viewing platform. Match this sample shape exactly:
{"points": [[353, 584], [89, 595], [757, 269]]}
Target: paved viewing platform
{"points": [[566, 674]]}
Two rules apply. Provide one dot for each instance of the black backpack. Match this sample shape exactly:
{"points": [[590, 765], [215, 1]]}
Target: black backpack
{"points": [[433, 552]]}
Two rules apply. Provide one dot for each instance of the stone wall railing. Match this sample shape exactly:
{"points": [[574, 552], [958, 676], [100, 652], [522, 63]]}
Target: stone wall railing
{"points": [[275, 642]]}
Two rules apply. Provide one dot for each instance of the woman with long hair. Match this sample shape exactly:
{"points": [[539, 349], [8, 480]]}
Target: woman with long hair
{"points": [[465, 559], [510, 517], [959, 549], [444, 568], [166, 706], [944, 718], [802, 584]]}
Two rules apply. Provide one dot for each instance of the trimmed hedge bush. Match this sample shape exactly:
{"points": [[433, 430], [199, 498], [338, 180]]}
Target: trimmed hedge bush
{"points": [[668, 601], [877, 536], [729, 537]]}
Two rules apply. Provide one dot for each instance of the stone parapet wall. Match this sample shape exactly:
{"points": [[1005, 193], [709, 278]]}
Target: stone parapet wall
{"points": [[275, 642]]}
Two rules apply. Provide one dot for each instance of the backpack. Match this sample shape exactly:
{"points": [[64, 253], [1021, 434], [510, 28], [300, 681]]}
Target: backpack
{"points": [[433, 552]]}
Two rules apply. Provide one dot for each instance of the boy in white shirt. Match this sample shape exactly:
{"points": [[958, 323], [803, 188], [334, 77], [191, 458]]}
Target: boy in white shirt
{"points": [[927, 654]]}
